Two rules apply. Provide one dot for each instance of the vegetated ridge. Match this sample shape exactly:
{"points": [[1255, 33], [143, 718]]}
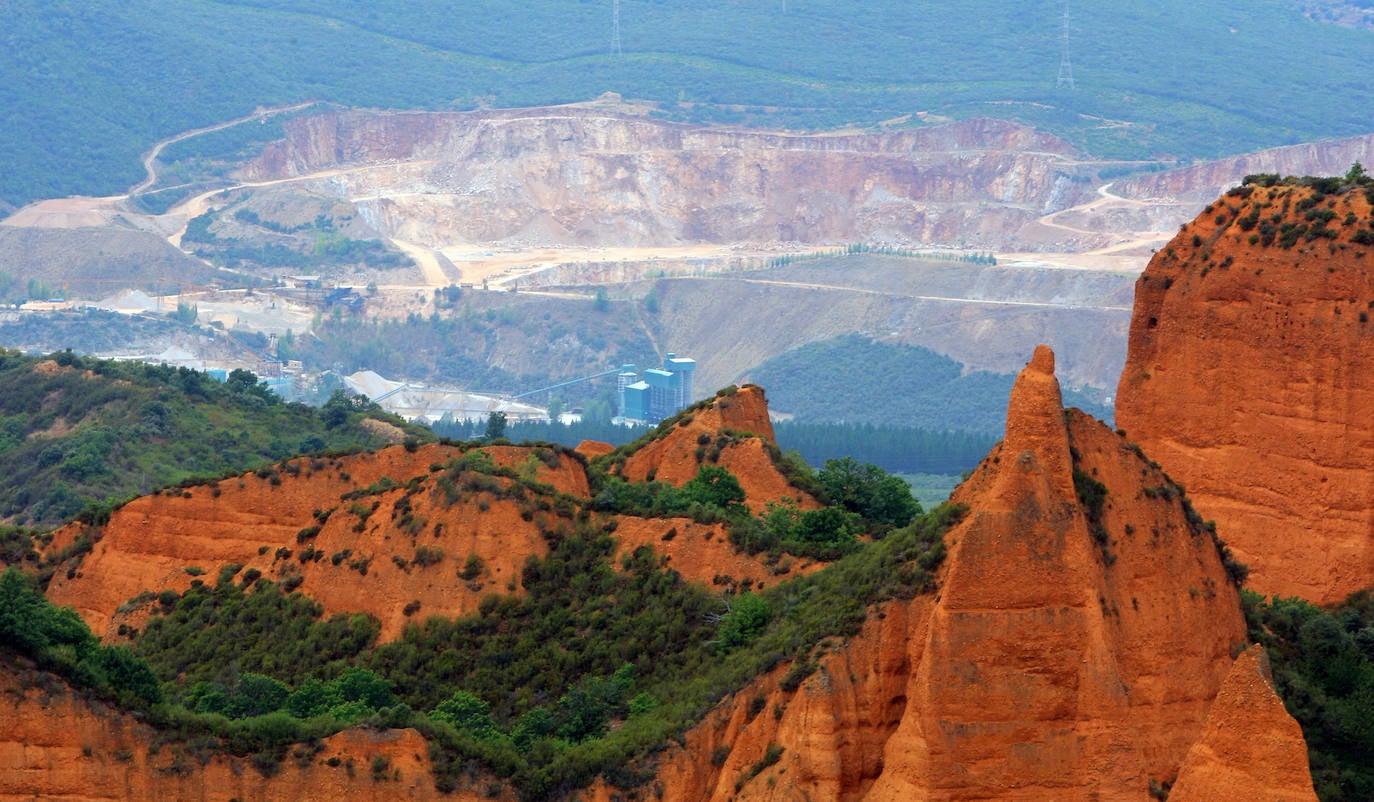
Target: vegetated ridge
{"points": [[431, 513], [1124, 612], [1138, 96], [1247, 374], [76, 431]]}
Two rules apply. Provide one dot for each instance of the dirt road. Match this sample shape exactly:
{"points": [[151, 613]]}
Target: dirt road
{"points": [[150, 158]]}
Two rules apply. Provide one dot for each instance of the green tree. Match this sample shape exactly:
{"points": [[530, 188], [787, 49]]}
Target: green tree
{"points": [[186, 313], [748, 615], [496, 426], [313, 698], [870, 491], [715, 487], [536, 723], [128, 674], [256, 695], [360, 685], [828, 525], [465, 711], [22, 613], [582, 715], [336, 410]]}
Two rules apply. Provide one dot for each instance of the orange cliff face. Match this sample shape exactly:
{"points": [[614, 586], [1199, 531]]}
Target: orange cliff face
{"points": [[56, 745], [1250, 747], [1079, 648], [374, 553], [1072, 652], [400, 554], [1250, 378], [701, 437]]}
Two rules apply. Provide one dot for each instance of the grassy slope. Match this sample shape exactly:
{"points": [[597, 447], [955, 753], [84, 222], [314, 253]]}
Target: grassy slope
{"points": [[1201, 78]]}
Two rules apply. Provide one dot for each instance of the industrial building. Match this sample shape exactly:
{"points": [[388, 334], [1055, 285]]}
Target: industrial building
{"points": [[659, 393]]}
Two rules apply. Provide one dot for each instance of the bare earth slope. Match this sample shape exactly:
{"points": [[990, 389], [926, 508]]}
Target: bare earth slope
{"points": [[1250, 747], [388, 533], [572, 176], [679, 454], [1049, 667], [54, 744], [1249, 376], [1074, 652]]}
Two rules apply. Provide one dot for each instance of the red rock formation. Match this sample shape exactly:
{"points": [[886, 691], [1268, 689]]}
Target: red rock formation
{"points": [[1053, 664], [56, 745], [1250, 747], [591, 449], [1082, 631], [384, 552], [676, 456], [260, 522], [704, 553], [1249, 376]]}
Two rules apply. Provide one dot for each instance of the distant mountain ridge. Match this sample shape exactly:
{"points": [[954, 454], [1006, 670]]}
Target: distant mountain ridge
{"points": [[202, 62]]}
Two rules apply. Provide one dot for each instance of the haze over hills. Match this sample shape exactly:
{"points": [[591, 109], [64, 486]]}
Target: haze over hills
{"points": [[1176, 81], [694, 222], [879, 209]]}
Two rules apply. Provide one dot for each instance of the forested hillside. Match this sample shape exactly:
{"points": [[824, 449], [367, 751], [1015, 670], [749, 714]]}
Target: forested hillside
{"points": [[485, 342], [589, 659], [852, 379], [1177, 80], [76, 431], [900, 449]]}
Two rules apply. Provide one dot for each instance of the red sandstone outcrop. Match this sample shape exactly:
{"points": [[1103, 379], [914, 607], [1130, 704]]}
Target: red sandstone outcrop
{"points": [[1249, 378], [704, 436], [366, 557], [591, 449], [1076, 650], [56, 745], [1054, 663], [401, 553], [1250, 747]]}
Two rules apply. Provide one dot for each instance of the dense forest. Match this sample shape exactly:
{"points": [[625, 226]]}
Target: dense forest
{"points": [[77, 431], [854, 380], [1323, 664], [1175, 82]]}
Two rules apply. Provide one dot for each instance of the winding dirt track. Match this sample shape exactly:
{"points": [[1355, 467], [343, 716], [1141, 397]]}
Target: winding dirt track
{"points": [[150, 158]]}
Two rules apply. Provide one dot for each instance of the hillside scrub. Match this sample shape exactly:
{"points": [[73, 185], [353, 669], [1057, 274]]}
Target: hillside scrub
{"points": [[77, 431], [546, 690], [1323, 664], [59, 641]]}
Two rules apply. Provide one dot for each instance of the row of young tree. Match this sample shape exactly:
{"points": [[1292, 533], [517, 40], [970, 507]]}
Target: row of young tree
{"points": [[893, 448]]}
